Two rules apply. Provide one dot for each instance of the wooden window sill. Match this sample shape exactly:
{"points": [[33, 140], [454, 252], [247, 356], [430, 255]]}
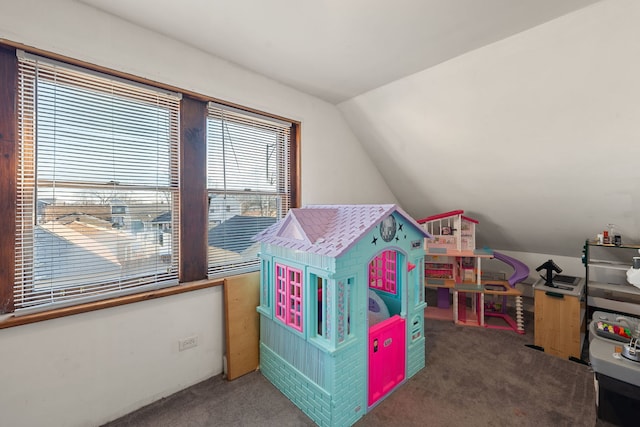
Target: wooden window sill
{"points": [[12, 321]]}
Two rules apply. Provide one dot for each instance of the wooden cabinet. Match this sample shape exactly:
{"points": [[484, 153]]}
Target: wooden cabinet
{"points": [[560, 319]]}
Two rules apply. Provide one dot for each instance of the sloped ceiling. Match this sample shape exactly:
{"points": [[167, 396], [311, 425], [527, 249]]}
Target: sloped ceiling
{"points": [[522, 113], [337, 49], [535, 135]]}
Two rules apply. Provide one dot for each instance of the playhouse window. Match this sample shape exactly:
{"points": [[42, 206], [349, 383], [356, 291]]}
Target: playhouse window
{"points": [[330, 322], [281, 292], [419, 284], [382, 272], [264, 271], [344, 290], [320, 293], [289, 296]]}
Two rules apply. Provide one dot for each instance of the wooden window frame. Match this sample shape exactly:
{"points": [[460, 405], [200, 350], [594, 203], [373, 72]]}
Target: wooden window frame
{"points": [[193, 200]]}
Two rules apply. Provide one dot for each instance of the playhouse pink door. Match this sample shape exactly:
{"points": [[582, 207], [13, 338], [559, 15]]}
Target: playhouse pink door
{"points": [[386, 357]]}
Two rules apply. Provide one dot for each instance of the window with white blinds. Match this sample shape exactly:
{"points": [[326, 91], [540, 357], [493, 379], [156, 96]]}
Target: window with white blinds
{"points": [[98, 190], [248, 182]]}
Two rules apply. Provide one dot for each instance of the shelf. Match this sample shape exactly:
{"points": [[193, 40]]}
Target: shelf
{"points": [[477, 253], [620, 292], [598, 245], [615, 306], [439, 283], [619, 297], [610, 265], [618, 287]]}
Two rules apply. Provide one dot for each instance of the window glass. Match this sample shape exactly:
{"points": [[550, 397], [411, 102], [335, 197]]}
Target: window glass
{"points": [[97, 186], [248, 183]]}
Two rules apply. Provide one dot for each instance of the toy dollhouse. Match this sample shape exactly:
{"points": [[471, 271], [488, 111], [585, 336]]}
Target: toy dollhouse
{"points": [[453, 264], [341, 307]]}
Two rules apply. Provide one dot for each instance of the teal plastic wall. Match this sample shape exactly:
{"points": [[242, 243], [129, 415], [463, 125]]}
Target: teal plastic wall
{"points": [[326, 376]]}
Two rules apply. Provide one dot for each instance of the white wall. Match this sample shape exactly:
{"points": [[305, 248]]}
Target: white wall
{"points": [[88, 369], [536, 136]]}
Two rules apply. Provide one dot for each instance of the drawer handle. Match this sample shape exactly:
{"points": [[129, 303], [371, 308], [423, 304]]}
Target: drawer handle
{"points": [[554, 294]]}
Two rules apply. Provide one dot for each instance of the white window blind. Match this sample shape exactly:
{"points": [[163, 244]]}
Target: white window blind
{"points": [[248, 182], [98, 199]]}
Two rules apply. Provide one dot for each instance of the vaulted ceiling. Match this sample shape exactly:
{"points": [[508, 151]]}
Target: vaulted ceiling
{"points": [[506, 109], [337, 49]]}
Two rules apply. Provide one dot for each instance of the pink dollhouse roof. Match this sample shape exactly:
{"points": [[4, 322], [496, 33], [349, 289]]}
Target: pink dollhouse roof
{"points": [[447, 215], [329, 229]]}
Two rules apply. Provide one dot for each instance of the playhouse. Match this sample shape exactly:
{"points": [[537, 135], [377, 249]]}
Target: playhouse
{"points": [[341, 307], [453, 264]]}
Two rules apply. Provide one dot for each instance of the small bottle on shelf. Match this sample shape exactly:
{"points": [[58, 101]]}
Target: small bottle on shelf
{"points": [[611, 229]]}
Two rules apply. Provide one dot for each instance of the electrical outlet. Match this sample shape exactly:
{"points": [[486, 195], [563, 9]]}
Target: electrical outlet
{"points": [[187, 343]]}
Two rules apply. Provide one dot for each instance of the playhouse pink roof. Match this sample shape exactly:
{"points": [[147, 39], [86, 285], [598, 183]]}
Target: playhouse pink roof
{"points": [[328, 229], [447, 215]]}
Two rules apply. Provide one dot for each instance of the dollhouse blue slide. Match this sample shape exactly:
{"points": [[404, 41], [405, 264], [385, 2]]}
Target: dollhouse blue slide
{"points": [[520, 269]]}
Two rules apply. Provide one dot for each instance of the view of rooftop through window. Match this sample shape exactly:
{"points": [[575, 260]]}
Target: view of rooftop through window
{"points": [[98, 186], [248, 185], [105, 187]]}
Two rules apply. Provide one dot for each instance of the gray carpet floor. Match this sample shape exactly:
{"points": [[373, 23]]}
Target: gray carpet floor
{"points": [[473, 377]]}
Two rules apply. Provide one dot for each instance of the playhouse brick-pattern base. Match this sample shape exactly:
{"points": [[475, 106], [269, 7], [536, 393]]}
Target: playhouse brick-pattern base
{"points": [[333, 403], [415, 345], [311, 399]]}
